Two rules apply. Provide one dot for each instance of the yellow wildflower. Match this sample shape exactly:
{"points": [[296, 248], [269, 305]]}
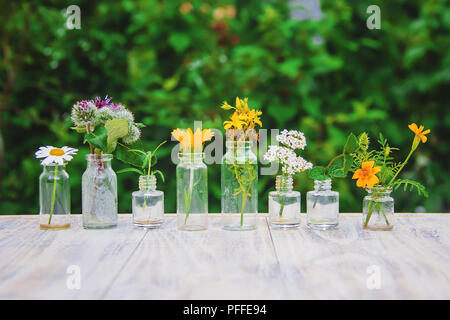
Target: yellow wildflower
{"points": [[191, 141], [235, 123]]}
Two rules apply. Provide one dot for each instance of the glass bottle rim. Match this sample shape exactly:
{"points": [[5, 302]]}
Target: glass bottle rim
{"points": [[379, 189], [53, 165], [98, 157], [194, 155], [245, 143]]}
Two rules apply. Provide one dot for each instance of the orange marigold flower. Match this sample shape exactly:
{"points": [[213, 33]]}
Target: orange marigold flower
{"points": [[367, 175], [419, 132]]}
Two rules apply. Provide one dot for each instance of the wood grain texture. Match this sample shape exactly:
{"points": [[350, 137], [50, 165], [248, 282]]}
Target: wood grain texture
{"points": [[129, 263]]}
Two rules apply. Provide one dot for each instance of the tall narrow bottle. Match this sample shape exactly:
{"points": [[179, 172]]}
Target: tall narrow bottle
{"points": [[239, 186], [192, 192]]}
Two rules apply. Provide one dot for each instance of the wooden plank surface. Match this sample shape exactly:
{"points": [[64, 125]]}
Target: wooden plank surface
{"points": [[412, 261]]}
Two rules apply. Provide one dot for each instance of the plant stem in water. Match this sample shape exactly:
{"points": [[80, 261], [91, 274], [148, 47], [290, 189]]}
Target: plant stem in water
{"points": [[188, 200], [53, 194]]}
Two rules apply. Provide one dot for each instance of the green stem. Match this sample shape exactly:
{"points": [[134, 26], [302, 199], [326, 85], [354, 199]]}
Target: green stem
{"points": [[282, 199], [371, 207], [403, 164], [53, 195], [332, 161], [244, 200], [380, 208], [188, 200]]}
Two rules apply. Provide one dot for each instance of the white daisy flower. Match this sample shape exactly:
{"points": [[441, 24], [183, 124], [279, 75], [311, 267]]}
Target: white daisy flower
{"points": [[55, 155]]}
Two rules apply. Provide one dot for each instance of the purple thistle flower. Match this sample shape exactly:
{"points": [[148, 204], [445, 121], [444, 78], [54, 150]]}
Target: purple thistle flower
{"points": [[83, 104], [99, 103]]}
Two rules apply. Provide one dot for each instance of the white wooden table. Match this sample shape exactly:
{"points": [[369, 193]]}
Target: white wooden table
{"points": [[410, 262]]}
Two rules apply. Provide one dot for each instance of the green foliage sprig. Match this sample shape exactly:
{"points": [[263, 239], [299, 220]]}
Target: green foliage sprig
{"points": [[149, 160], [340, 165]]}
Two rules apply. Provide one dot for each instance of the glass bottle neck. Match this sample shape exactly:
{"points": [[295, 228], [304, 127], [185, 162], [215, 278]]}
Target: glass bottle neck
{"points": [[322, 185], [191, 158], [284, 183], [241, 150], [239, 145], [99, 160], [147, 183], [54, 169], [379, 192]]}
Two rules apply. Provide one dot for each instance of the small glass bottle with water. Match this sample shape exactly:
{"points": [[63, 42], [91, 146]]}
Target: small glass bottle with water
{"points": [[322, 206], [148, 204], [284, 204]]}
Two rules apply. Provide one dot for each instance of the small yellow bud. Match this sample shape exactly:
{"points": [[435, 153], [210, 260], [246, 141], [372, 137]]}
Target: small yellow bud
{"points": [[388, 150]]}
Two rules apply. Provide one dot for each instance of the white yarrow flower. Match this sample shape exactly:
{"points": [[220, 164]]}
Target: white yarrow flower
{"points": [[293, 139], [285, 154]]}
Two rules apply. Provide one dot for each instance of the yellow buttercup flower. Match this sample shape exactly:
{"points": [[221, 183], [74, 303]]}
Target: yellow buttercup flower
{"points": [[367, 175], [235, 123], [253, 117], [243, 117]]}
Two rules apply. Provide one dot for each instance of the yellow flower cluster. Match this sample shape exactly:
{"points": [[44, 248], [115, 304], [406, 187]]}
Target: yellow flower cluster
{"points": [[192, 141], [243, 117]]}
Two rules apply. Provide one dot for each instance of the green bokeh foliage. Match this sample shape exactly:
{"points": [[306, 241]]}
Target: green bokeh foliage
{"points": [[325, 77]]}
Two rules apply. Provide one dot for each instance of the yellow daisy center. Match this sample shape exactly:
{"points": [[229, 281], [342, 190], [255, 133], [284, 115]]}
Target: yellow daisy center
{"points": [[57, 152]]}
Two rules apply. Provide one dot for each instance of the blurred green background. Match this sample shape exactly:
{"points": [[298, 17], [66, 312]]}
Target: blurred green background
{"points": [[173, 62]]}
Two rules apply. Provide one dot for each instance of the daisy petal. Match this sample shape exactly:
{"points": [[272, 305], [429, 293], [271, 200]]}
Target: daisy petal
{"points": [[59, 160], [47, 161], [67, 157]]}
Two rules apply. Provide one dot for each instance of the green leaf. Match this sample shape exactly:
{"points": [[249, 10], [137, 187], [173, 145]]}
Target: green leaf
{"points": [[336, 169], [384, 174], [131, 170], [79, 129], [98, 138], [137, 150], [318, 173], [348, 161], [124, 154], [351, 145], [159, 173], [116, 129], [140, 125], [411, 184], [338, 173]]}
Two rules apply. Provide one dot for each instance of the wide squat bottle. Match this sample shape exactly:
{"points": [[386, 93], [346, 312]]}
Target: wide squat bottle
{"points": [[284, 204], [322, 206], [148, 204]]}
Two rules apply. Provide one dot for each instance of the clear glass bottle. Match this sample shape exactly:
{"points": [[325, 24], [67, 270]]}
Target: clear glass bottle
{"points": [[148, 204], [54, 198], [284, 204], [99, 193], [378, 209], [192, 192], [322, 206], [239, 182]]}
